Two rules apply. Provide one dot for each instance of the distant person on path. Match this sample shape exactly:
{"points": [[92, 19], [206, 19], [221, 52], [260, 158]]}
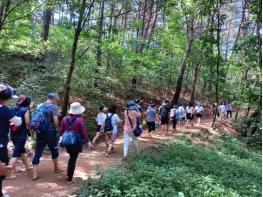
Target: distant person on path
{"points": [[74, 122], [214, 109], [228, 110], [151, 118], [132, 116], [48, 135], [7, 117], [189, 114], [138, 103], [110, 126], [182, 113], [164, 112], [174, 116], [199, 111], [222, 108], [100, 119], [19, 134]]}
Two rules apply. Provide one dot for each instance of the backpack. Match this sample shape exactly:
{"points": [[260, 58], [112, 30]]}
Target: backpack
{"points": [[108, 125], [39, 121], [174, 113], [70, 138], [164, 111], [20, 112], [138, 130]]}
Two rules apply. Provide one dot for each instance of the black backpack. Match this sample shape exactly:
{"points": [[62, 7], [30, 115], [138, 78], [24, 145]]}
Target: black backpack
{"points": [[108, 125], [164, 111]]}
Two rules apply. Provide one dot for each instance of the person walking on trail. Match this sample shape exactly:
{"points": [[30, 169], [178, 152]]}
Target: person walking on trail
{"points": [[164, 112], [151, 118], [45, 122], [189, 114], [228, 110], [199, 110], [100, 119], [19, 134], [74, 122], [138, 103], [215, 110], [132, 118], [110, 126], [222, 108], [182, 113], [7, 117], [174, 116]]}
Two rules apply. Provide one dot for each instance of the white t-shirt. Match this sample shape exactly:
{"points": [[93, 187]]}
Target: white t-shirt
{"points": [[189, 110], [199, 109], [100, 118], [114, 122], [222, 108]]}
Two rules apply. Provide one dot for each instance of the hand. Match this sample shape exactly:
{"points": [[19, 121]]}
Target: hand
{"points": [[4, 170]]}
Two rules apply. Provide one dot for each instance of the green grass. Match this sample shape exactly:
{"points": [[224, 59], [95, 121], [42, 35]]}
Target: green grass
{"points": [[184, 169]]}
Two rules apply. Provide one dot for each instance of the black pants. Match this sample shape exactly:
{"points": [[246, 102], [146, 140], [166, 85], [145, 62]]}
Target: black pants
{"points": [[174, 123], [151, 126], [229, 113], [72, 164], [3, 158]]}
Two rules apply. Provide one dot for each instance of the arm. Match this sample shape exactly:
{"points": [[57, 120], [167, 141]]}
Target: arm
{"points": [[84, 131], [62, 127], [55, 119], [27, 120]]}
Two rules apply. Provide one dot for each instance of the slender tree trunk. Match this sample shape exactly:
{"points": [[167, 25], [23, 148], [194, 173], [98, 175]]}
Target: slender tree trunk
{"points": [[218, 60], [46, 23], [196, 72], [100, 32], [183, 64], [73, 58]]}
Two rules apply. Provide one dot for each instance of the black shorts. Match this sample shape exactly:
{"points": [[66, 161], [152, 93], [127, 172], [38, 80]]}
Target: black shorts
{"points": [[199, 115], [151, 126], [189, 116], [98, 128], [164, 120]]}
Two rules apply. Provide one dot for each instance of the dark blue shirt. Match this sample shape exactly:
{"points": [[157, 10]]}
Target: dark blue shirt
{"points": [[22, 130], [50, 113], [5, 115]]}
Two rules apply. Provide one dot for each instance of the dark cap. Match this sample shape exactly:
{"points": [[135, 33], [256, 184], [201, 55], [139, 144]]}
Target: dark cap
{"points": [[53, 95]]}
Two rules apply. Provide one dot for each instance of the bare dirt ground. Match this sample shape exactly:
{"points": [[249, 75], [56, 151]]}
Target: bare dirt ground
{"points": [[90, 162]]}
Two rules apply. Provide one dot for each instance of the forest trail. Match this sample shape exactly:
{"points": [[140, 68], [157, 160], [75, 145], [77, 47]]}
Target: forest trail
{"points": [[92, 161]]}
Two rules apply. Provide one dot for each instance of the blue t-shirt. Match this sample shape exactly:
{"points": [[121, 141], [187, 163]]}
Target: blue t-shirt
{"points": [[151, 114], [22, 130], [50, 113], [5, 115]]}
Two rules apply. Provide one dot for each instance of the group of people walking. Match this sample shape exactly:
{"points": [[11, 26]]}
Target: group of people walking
{"points": [[18, 124], [224, 111], [175, 114]]}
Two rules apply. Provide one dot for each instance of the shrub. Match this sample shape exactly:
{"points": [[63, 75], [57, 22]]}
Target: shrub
{"points": [[183, 169]]}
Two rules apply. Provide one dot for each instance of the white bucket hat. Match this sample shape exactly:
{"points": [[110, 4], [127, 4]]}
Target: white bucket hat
{"points": [[76, 108]]}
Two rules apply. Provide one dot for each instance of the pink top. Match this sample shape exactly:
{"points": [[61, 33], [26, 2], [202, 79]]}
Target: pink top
{"points": [[133, 114], [78, 126]]}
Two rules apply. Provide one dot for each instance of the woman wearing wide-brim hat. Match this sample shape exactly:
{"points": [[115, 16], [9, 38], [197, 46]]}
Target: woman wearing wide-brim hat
{"points": [[74, 122]]}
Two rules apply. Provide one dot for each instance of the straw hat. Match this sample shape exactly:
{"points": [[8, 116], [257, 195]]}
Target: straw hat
{"points": [[76, 109]]}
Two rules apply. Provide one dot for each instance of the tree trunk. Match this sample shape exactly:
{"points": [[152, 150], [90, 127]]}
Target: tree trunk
{"points": [[183, 64], [196, 72], [46, 23], [100, 32], [218, 59], [73, 58]]}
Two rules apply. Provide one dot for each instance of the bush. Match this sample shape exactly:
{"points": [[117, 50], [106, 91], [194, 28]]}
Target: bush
{"points": [[183, 169]]}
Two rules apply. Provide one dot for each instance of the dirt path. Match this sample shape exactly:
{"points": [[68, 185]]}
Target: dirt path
{"points": [[91, 162]]}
